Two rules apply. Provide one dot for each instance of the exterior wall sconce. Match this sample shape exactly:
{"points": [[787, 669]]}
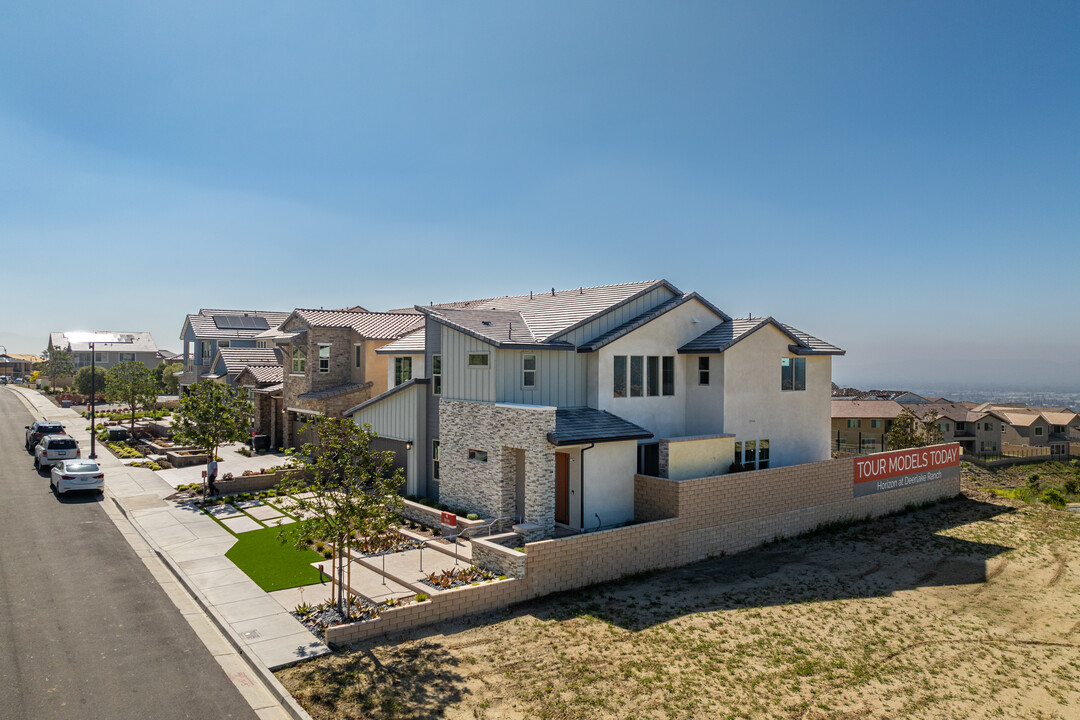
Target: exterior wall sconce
{"points": [[408, 444]]}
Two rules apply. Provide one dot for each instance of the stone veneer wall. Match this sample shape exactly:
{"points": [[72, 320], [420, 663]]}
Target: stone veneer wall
{"points": [[489, 488], [683, 521]]}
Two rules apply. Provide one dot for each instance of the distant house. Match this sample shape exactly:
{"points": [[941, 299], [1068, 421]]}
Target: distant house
{"points": [[142, 348], [1020, 425], [960, 422], [861, 426], [18, 364], [231, 361], [204, 333], [264, 387]]}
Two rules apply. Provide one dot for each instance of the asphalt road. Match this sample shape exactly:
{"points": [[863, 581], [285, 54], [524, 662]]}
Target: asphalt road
{"points": [[85, 630]]}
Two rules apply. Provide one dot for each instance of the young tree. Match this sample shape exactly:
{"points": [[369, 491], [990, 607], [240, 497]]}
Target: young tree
{"points": [[932, 434], [212, 414], [908, 431], [58, 364], [131, 383], [353, 490], [82, 380], [165, 374]]}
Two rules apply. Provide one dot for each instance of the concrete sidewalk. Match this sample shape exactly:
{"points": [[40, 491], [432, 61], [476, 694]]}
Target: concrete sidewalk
{"points": [[194, 548]]}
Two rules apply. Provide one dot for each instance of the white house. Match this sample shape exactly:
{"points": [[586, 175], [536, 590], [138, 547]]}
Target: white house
{"points": [[539, 409]]}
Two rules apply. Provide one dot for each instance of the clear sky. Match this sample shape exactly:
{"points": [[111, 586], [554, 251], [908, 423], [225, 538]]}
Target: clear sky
{"points": [[901, 179]]}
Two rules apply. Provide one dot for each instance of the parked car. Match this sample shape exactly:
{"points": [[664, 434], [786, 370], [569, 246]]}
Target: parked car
{"points": [[54, 448], [35, 432], [76, 474]]}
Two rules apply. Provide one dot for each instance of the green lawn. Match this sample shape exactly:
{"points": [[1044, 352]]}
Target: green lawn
{"points": [[272, 565]]}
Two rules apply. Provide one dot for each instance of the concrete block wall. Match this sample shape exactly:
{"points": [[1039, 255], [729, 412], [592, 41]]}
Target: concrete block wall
{"points": [[498, 558]]}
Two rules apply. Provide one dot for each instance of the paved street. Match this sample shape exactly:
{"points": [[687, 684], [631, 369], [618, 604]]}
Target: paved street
{"points": [[85, 629]]}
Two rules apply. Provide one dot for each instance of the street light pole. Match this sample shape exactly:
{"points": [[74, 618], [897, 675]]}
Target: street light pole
{"points": [[93, 391], [91, 339]]}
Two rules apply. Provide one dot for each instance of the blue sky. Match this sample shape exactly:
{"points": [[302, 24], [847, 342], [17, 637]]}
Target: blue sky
{"points": [[900, 179]]}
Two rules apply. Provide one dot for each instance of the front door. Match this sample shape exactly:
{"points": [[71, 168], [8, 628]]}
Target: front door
{"points": [[562, 488]]}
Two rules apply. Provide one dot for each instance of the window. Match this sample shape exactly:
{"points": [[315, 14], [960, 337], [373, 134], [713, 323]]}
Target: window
{"points": [[793, 373], [435, 457], [619, 379], [750, 454], [1002, 427], [204, 353], [127, 357], [753, 454], [299, 359], [104, 356], [324, 358], [985, 446], [260, 343], [867, 443], [478, 455], [667, 373], [478, 360], [987, 427], [876, 424], [251, 394], [943, 427], [637, 372], [703, 370], [402, 370], [1059, 429], [652, 376], [1038, 431], [528, 370], [960, 426], [358, 356], [854, 423], [763, 454], [436, 374], [222, 343]]}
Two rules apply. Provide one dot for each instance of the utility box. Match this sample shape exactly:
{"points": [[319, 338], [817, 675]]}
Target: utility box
{"points": [[260, 443]]}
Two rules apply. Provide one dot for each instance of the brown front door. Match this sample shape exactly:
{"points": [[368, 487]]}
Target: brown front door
{"points": [[562, 488]]}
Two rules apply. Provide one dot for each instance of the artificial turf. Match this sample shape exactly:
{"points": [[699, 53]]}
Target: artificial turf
{"points": [[271, 564]]}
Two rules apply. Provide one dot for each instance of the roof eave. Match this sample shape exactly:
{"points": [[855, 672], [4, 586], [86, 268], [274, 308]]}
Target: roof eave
{"points": [[616, 306], [554, 440], [802, 350]]}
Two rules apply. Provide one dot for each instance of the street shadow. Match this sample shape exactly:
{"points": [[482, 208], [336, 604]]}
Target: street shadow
{"points": [[80, 497], [418, 680], [874, 558]]}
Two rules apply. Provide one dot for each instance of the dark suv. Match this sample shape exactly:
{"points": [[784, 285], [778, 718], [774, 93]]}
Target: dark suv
{"points": [[35, 432]]}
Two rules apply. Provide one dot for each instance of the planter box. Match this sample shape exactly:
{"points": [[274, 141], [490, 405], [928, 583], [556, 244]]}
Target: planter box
{"points": [[432, 518], [250, 483], [185, 458]]}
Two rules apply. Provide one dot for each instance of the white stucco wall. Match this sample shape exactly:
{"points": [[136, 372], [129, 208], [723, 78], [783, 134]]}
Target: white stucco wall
{"points": [[704, 403], [664, 416], [418, 370], [796, 423], [609, 483], [694, 457]]}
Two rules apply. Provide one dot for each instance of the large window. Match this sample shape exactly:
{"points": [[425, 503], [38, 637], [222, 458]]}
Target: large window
{"points": [[435, 458], [793, 373], [127, 357], [436, 374], [619, 380], [204, 351], [299, 359], [703, 370], [402, 370], [637, 375], [324, 358], [528, 370], [478, 360], [752, 454], [668, 373], [854, 423], [652, 376]]}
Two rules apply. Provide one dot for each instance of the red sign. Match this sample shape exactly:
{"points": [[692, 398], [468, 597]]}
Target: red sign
{"points": [[449, 518], [883, 466]]}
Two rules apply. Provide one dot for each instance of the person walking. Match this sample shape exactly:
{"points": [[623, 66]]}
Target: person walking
{"points": [[211, 476]]}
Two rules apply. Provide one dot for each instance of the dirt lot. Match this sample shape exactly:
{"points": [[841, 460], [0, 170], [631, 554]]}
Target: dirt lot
{"points": [[967, 609]]}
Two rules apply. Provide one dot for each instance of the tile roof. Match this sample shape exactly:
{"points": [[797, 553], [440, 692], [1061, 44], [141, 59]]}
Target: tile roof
{"points": [[237, 358], [866, 409], [203, 325], [726, 334], [265, 373], [498, 327], [575, 426], [548, 314], [646, 317], [335, 391], [1060, 418], [945, 410], [371, 326], [411, 344], [271, 388], [141, 342]]}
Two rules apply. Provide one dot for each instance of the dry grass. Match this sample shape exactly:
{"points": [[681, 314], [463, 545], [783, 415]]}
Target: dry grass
{"points": [[963, 610]]}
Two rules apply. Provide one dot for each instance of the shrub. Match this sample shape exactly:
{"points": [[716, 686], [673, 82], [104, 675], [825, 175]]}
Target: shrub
{"points": [[460, 512], [410, 498], [442, 506], [1072, 486], [472, 516], [1053, 498], [426, 502], [421, 597], [1033, 482]]}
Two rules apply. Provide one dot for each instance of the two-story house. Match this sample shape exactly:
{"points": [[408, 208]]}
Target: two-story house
{"points": [[1055, 428], [331, 362], [208, 331], [140, 347], [541, 408]]}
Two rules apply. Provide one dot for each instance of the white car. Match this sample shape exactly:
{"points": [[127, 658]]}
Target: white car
{"points": [[54, 448], [77, 475]]}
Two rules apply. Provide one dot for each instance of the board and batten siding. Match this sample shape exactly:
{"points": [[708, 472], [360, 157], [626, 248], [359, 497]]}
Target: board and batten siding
{"points": [[432, 346], [617, 317], [561, 378], [461, 382], [402, 416]]}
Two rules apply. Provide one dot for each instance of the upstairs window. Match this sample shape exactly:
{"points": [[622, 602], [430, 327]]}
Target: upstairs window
{"points": [[703, 370], [127, 357], [960, 426], [637, 375], [358, 356], [987, 427], [652, 376], [943, 427], [436, 374], [619, 377], [793, 373], [402, 370], [668, 375], [324, 358], [104, 356], [854, 423], [1038, 431], [528, 370], [299, 359], [875, 424], [478, 360]]}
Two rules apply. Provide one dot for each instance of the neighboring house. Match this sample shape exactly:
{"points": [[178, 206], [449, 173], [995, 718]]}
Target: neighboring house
{"points": [[231, 361], [861, 426], [1022, 425], [264, 386], [141, 348], [207, 331], [331, 362], [900, 396], [959, 422], [168, 356], [541, 408], [17, 365]]}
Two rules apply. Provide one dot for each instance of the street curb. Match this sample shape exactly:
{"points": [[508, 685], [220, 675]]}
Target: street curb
{"points": [[288, 702]]}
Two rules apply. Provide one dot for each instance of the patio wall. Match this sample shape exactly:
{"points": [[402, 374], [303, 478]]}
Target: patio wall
{"points": [[680, 522]]}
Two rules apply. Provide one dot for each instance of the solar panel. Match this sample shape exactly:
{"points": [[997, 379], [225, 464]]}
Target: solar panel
{"points": [[240, 322]]}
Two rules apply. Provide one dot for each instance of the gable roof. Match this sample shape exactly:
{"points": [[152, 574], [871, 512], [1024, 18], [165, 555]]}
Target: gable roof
{"points": [[727, 333], [204, 326], [549, 314], [369, 325], [237, 358], [412, 344], [263, 374], [140, 342], [842, 409], [501, 328], [646, 317]]}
